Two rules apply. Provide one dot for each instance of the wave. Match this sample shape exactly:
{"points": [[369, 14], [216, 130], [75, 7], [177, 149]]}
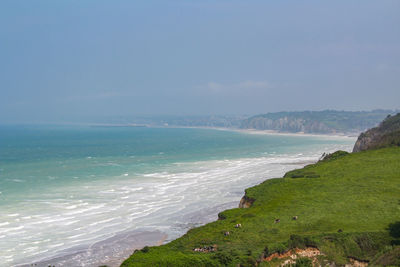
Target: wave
{"points": [[162, 199]]}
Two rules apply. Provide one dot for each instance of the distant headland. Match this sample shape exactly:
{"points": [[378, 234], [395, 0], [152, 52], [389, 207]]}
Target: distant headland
{"points": [[309, 122]]}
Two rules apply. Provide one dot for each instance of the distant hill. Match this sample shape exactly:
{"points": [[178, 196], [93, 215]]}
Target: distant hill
{"points": [[386, 134], [322, 122]]}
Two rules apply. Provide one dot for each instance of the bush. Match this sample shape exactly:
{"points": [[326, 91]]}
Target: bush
{"points": [[394, 229], [334, 155], [248, 262], [303, 262], [278, 248], [266, 252], [297, 241], [390, 256], [145, 249], [221, 216], [223, 258]]}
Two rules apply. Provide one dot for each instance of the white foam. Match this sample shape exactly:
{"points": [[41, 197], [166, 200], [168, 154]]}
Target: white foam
{"points": [[12, 229], [56, 245], [71, 222], [103, 221], [96, 209]]}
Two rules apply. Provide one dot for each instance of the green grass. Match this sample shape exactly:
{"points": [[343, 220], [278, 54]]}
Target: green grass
{"points": [[357, 193]]}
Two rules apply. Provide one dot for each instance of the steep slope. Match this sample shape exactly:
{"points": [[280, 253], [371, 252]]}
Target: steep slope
{"points": [[344, 209], [386, 134]]}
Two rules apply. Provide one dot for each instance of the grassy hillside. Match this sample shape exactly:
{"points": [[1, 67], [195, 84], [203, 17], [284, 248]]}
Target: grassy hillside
{"points": [[346, 206]]}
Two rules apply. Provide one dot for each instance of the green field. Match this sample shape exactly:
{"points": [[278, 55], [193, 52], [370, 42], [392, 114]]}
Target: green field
{"points": [[347, 206]]}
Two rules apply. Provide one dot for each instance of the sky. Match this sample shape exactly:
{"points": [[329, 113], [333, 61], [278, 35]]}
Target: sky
{"points": [[79, 60]]}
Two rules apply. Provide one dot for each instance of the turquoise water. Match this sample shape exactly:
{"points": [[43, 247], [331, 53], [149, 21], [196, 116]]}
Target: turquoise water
{"points": [[66, 187]]}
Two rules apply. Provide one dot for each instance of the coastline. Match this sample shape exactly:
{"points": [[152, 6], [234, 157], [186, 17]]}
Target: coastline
{"points": [[110, 252], [263, 240], [273, 132], [248, 131], [267, 132], [113, 251], [103, 251]]}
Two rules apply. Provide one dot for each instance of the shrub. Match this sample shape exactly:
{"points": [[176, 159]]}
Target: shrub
{"points": [[221, 216], [266, 251], [223, 258], [297, 241], [334, 155], [248, 262], [303, 262], [394, 229], [278, 248], [145, 249]]}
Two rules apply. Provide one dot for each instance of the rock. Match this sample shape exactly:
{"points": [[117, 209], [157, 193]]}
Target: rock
{"points": [[246, 202], [386, 134], [206, 249]]}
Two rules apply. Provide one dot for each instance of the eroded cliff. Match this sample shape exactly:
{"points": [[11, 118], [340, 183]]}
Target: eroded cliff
{"points": [[386, 134]]}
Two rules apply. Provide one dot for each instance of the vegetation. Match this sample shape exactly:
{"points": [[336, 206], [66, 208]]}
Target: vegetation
{"points": [[334, 155], [346, 205]]}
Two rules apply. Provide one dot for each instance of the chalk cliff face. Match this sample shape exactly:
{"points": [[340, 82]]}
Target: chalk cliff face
{"points": [[325, 122], [287, 124], [386, 134]]}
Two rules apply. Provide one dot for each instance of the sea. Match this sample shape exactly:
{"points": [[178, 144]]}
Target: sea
{"points": [[86, 196]]}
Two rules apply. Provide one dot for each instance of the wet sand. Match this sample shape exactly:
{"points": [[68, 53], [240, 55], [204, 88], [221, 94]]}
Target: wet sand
{"points": [[111, 252]]}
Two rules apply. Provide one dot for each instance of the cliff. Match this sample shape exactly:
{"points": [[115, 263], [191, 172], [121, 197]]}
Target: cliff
{"points": [[386, 134], [322, 122], [246, 202]]}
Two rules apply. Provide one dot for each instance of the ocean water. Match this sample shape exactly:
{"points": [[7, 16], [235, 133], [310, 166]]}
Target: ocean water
{"points": [[64, 189]]}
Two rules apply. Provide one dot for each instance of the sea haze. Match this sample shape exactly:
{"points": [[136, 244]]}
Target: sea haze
{"points": [[64, 190]]}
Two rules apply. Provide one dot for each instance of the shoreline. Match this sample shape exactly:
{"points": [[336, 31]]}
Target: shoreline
{"points": [[267, 132], [113, 251], [248, 131], [105, 252]]}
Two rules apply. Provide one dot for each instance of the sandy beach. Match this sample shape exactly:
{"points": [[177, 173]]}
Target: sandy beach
{"points": [[273, 132], [111, 252]]}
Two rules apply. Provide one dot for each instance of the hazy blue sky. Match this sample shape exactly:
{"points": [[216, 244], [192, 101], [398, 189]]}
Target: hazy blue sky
{"points": [[71, 60]]}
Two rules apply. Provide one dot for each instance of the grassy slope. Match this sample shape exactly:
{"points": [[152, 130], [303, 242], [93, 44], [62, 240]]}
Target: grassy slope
{"points": [[358, 193]]}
